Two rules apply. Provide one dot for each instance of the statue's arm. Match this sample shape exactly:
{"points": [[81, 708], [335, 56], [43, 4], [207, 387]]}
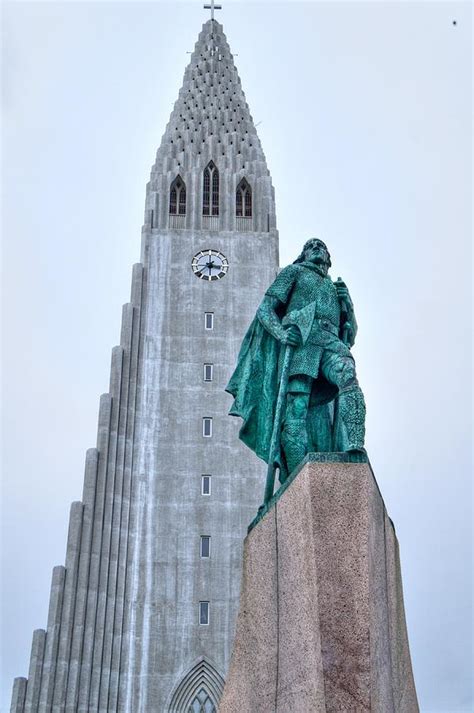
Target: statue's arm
{"points": [[268, 317], [351, 318], [348, 322], [353, 321]]}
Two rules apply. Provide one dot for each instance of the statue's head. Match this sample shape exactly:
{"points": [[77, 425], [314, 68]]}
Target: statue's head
{"points": [[315, 251]]}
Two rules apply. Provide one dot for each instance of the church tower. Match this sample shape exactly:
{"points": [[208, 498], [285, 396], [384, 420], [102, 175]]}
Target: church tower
{"points": [[141, 617]]}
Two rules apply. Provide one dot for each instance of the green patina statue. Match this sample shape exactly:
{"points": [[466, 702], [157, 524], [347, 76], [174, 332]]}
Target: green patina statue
{"points": [[295, 384]]}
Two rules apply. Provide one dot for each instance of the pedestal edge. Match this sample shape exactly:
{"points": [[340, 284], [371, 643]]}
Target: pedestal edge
{"points": [[336, 457]]}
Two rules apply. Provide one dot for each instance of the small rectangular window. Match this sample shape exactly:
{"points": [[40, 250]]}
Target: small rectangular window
{"points": [[207, 427], [204, 613], [208, 320], [208, 372], [205, 546], [205, 485]]}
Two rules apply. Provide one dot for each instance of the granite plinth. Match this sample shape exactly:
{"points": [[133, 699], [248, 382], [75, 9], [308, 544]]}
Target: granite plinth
{"points": [[321, 626]]}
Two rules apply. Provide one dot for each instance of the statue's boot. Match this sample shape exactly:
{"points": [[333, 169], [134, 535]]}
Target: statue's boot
{"points": [[352, 412], [294, 441]]}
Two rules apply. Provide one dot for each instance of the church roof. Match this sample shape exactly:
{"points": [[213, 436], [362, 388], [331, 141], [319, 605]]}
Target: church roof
{"points": [[211, 118]]}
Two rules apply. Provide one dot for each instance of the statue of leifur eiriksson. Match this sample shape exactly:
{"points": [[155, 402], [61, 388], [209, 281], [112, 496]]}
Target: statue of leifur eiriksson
{"points": [[295, 384]]}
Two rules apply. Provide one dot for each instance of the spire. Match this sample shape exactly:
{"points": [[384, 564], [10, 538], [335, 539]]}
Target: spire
{"points": [[210, 121]]}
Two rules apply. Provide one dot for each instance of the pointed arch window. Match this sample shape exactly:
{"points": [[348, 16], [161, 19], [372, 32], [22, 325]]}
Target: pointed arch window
{"points": [[243, 200], [210, 197], [178, 197], [199, 691], [202, 703]]}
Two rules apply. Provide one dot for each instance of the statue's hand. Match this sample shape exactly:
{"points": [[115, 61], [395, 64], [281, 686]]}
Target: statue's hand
{"points": [[342, 291], [347, 334], [291, 336]]}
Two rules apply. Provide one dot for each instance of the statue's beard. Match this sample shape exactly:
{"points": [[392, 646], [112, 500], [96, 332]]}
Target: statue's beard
{"points": [[322, 266]]}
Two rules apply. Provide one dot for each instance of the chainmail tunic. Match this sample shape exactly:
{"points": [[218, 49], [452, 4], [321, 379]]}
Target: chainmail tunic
{"points": [[295, 287]]}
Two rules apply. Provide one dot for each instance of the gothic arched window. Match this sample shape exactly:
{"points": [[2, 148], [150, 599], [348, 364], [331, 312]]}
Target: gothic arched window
{"points": [[199, 691], [202, 703], [243, 200], [210, 196], [178, 197]]}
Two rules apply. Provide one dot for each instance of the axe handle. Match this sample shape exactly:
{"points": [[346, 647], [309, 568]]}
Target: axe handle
{"points": [[270, 482], [344, 315]]}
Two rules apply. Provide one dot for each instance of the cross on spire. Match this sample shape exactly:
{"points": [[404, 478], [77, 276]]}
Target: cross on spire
{"points": [[212, 7]]}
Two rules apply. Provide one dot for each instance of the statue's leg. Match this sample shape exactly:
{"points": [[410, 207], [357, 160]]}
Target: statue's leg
{"points": [[340, 371], [294, 435]]}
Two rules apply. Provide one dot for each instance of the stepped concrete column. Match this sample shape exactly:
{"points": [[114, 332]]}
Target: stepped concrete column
{"points": [[35, 671], [321, 625], [52, 638], [18, 695]]}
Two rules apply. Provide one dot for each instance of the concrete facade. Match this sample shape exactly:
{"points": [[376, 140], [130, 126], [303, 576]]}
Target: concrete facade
{"points": [[321, 626], [123, 629]]}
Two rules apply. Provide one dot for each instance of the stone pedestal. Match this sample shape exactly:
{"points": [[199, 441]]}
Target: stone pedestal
{"points": [[321, 626]]}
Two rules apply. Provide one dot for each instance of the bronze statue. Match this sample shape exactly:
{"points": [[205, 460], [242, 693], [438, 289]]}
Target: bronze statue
{"points": [[295, 378]]}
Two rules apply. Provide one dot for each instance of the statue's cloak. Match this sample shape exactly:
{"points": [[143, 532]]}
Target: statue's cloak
{"points": [[254, 386]]}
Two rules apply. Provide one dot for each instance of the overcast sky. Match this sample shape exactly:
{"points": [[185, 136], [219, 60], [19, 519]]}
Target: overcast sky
{"points": [[363, 110]]}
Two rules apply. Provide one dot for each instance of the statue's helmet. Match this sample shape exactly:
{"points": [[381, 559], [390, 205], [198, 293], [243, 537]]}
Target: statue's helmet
{"points": [[309, 244]]}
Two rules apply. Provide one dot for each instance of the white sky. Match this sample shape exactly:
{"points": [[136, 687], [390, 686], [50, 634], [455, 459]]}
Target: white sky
{"points": [[365, 123]]}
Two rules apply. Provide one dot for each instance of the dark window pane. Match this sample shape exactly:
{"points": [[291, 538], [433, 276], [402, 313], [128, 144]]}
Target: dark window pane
{"points": [[206, 193], [238, 203], [209, 320], [182, 200], [206, 485], [243, 200], [205, 546], [173, 201], [207, 427], [215, 192], [178, 197], [204, 612], [248, 203], [210, 197]]}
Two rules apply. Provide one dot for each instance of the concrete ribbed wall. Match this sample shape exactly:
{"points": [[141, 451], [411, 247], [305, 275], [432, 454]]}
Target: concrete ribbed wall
{"points": [[122, 632]]}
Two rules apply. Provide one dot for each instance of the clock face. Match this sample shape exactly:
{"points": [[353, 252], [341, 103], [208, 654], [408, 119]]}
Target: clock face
{"points": [[210, 265]]}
